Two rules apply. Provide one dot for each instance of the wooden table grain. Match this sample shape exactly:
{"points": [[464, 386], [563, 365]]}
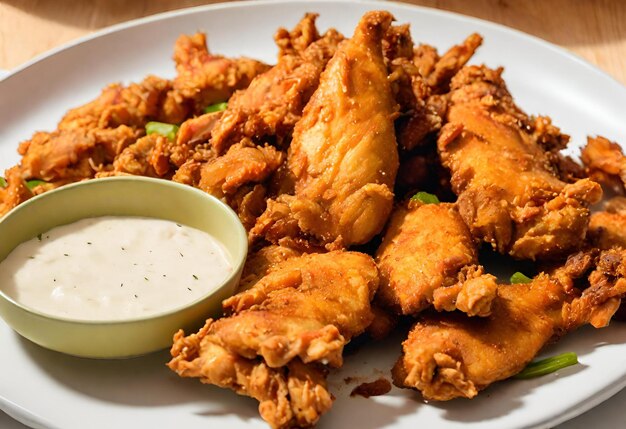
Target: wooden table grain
{"points": [[593, 29]]}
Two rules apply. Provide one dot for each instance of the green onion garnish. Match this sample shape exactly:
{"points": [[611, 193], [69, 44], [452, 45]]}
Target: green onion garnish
{"points": [[166, 130], [3, 182], [548, 365], [218, 107], [518, 278], [425, 198], [32, 184]]}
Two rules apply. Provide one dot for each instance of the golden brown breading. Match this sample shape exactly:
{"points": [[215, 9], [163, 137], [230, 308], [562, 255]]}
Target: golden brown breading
{"points": [[192, 133], [449, 356], [508, 192], [428, 257], [303, 311], [261, 262], [148, 156], [204, 79], [308, 306], [73, 154], [605, 162], [294, 42], [289, 397], [607, 228], [274, 101], [131, 105], [343, 158], [16, 191]]}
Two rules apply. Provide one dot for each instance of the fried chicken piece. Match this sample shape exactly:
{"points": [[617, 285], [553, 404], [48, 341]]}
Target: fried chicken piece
{"points": [[605, 162], [455, 356], [428, 257], [296, 41], [192, 133], [133, 105], [16, 191], [72, 154], [343, 158], [607, 228], [308, 307], [445, 68], [297, 318], [243, 163], [148, 156], [274, 101], [289, 397], [261, 262], [204, 79], [509, 194]]}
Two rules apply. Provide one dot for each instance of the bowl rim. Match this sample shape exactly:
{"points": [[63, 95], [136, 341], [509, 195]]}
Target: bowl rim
{"points": [[242, 236]]}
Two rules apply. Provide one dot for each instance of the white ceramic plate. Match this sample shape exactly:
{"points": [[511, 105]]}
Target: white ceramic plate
{"points": [[46, 389]]}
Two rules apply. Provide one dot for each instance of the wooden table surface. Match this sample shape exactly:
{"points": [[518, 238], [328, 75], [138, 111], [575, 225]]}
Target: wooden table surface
{"points": [[593, 29]]}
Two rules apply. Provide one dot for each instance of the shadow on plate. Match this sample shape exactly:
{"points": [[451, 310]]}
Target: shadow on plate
{"points": [[141, 382]]}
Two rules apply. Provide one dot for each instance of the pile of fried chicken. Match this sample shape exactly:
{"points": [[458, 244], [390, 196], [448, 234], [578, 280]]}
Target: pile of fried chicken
{"points": [[320, 156]]}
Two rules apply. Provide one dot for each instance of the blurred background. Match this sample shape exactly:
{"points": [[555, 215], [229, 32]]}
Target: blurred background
{"points": [[593, 29]]}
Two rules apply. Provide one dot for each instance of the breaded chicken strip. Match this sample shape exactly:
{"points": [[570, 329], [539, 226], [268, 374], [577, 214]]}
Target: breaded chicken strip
{"points": [[282, 331], [508, 191], [605, 162], [204, 79], [343, 158], [607, 228], [449, 356], [15, 192], [289, 397], [274, 101], [428, 257]]}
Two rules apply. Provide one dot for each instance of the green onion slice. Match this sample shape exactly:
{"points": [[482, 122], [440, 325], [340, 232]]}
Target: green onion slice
{"points": [[548, 365], [425, 198], [3, 182], [32, 184], [166, 130], [218, 107], [518, 278]]}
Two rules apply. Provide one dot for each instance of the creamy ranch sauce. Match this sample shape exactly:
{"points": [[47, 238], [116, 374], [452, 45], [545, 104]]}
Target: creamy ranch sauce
{"points": [[113, 268]]}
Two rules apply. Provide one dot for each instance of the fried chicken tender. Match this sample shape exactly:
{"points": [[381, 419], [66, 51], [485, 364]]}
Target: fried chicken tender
{"points": [[261, 262], [303, 311], [308, 306], [133, 105], [289, 397], [73, 154], [204, 79], [428, 257], [274, 101], [16, 191], [508, 192], [607, 228], [343, 158], [605, 162], [452, 356]]}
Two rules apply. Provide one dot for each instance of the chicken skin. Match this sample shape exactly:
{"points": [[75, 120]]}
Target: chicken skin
{"points": [[607, 228], [449, 356], [508, 192], [274, 101], [294, 396], [204, 79], [605, 162], [303, 311], [428, 257], [343, 158]]}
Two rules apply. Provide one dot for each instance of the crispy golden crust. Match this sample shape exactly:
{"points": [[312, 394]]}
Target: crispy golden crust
{"points": [[508, 192], [454, 356], [427, 257], [296, 318], [274, 101], [342, 160], [605, 162]]}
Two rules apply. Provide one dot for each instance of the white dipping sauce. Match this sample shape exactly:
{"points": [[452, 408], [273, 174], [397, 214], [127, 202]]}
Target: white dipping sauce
{"points": [[114, 268]]}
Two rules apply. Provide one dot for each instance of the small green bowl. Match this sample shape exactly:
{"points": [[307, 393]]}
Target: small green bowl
{"points": [[119, 196]]}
